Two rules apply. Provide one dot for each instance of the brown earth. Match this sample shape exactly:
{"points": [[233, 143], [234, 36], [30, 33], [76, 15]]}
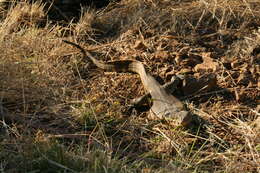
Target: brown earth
{"points": [[59, 112]]}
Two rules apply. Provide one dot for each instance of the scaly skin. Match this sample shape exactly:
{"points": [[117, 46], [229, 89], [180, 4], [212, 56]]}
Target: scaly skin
{"points": [[164, 105]]}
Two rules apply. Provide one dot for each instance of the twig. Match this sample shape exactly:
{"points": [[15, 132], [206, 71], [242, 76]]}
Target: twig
{"points": [[68, 136]]}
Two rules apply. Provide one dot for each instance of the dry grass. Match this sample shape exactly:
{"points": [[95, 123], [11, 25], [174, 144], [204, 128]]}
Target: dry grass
{"points": [[59, 113]]}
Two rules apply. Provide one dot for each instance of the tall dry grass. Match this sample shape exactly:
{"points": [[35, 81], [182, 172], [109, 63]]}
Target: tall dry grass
{"points": [[60, 113]]}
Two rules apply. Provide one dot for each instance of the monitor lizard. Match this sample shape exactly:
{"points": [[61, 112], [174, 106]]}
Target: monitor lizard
{"points": [[164, 104]]}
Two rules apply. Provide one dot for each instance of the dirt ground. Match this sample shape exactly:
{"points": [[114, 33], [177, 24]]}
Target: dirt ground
{"points": [[60, 113]]}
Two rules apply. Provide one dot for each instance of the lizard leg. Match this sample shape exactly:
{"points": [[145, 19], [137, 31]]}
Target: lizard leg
{"points": [[170, 87]]}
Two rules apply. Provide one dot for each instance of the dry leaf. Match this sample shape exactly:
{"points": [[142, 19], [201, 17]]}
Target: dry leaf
{"points": [[208, 64], [161, 54], [192, 60], [203, 84], [184, 71]]}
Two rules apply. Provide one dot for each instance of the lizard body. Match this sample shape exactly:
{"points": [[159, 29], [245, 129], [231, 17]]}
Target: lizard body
{"points": [[164, 104]]}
